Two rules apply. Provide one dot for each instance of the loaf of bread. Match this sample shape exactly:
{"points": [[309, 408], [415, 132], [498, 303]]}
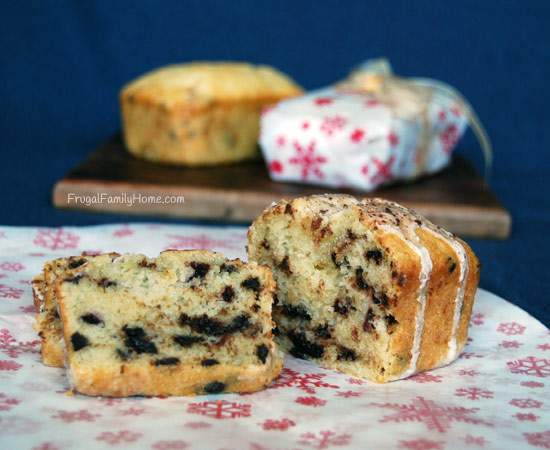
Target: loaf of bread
{"points": [[200, 113], [366, 287], [184, 323]]}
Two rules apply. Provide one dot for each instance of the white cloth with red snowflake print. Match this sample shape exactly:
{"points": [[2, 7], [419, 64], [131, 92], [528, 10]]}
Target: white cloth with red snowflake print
{"points": [[353, 140], [495, 396]]}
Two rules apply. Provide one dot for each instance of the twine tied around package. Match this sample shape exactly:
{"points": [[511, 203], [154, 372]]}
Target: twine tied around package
{"points": [[409, 98]]}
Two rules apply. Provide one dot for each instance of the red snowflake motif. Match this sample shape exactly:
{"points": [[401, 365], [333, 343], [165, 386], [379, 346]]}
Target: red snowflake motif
{"points": [[469, 355], [477, 319], [197, 425], [9, 365], [532, 384], [12, 348], [433, 415], [170, 445], [56, 239], [279, 425], [357, 135], [308, 160], [473, 393], [526, 417], [11, 266], [524, 403], [280, 141], [511, 328], [348, 394], [543, 347], [91, 252], [383, 170], [305, 125], [355, 381], [332, 124], [393, 139], [324, 439], [7, 403], [311, 401], [449, 138], [467, 373], [119, 437], [421, 444], [510, 344], [456, 110], [475, 440], [541, 440], [123, 232], [132, 411], [442, 115], [426, 377], [530, 366], [202, 241], [220, 409], [323, 101], [307, 382], [46, 446], [276, 166], [27, 309], [82, 415], [371, 103], [10, 292]]}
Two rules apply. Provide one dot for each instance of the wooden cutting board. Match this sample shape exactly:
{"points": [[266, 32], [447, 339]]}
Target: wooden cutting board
{"points": [[456, 198]]}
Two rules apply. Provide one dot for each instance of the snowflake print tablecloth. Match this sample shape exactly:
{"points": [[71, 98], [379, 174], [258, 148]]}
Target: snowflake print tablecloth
{"points": [[495, 396]]}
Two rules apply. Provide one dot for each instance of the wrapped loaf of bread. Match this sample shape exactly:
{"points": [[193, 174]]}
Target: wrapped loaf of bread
{"points": [[200, 113], [368, 287]]}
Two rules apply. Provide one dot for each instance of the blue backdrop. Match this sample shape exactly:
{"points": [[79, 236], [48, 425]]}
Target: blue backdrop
{"points": [[62, 64]]}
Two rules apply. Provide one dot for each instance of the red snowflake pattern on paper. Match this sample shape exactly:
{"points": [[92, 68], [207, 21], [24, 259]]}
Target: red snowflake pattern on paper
{"points": [[132, 411], [442, 115], [119, 437], [510, 344], [197, 425], [383, 170], [541, 440], [323, 101], [10, 292], [46, 446], [434, 416], [456, 111], [355, 381], [27, 309], [525, 403], [6, 365], [426, 377], [532, 384], [421, 444], [332, 124], [279, 425], [357, 135], [393, 139], [479, 441], [473, 393], [123, 232], [110, 401], [449, 137], [526, 417], [82, 415], [276, 166], [7, 403], [348, 394], [13, 348], [469, 355], [220, 409], [530, 366], [307, 382], [280, 141], [371, 103], [511, 328], [56, 239], [305, 125], [324, 439], [477, 319], [170, 445], [544, 346], [12, 266], [308, 160], [467, 373], [201, 241], [311, 401]]}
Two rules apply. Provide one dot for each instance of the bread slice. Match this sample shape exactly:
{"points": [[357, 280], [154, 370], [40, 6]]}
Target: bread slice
{"points": [[187, 322], [365, 287]]}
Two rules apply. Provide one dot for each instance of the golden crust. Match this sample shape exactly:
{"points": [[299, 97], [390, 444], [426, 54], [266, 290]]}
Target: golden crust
{"points": [[469, 296], [200, 113]]}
